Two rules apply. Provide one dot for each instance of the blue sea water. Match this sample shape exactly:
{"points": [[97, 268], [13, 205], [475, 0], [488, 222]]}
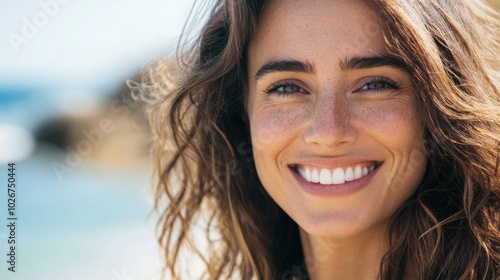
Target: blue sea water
{"points": [[92, 224]]}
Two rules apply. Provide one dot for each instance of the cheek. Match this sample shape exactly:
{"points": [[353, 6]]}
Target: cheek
{"points": [[398, 128], [396, 124], [273, 129], [389, 117]]}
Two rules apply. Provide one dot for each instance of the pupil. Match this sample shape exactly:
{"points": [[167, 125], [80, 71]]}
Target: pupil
{"points": [[289, 88], [376, 85]]}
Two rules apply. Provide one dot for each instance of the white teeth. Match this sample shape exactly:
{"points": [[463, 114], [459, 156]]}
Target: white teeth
{"points": [[349, 174], [338, 176], [301, 172], [325, 177], [308, 174], [365, 171], [357, 172], [315, 176]]}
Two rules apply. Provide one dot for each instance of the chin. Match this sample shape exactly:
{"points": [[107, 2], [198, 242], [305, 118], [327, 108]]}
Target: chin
{"points": [[339, 226]]}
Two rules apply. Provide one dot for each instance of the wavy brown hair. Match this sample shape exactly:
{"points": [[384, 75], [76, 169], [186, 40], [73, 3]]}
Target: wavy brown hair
{"points": [[449, 229]]}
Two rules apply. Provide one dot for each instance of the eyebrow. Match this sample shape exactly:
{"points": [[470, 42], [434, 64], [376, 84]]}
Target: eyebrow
{"points": [[284, 65], [373, 62], [291, 65]]}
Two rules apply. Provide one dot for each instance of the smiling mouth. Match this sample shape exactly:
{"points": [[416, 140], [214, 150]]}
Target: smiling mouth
{"points": [[336, 176]]}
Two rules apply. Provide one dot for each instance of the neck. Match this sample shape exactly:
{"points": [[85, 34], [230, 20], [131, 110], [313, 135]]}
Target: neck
{"points": [[348, 258]]}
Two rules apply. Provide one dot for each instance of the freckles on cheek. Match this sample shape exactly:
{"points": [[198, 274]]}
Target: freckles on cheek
{"points": [[273, 127], [395, 120]]}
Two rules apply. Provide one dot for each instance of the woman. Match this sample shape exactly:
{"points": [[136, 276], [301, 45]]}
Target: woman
{"points": [[334, 140]]}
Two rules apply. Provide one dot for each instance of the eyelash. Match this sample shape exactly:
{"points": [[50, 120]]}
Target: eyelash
{"points": [[388, 84]]}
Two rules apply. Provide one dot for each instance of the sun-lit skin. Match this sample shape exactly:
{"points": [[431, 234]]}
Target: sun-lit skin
{"points": [[335, 116]]}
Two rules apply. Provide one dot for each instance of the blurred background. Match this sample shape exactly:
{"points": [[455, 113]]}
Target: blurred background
{"points": [[79, 141]]}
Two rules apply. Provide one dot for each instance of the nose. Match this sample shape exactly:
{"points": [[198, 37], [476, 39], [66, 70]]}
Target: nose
{"points": [[330, 125]]}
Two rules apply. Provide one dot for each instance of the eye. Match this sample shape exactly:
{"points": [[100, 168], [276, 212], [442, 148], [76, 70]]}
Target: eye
{"points": [[284, 88], [379, 84]]}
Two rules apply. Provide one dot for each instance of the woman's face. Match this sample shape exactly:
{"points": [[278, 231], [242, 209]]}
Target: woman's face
{"points": [[336, 137]]}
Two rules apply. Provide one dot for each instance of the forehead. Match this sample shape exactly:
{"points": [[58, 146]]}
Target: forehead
{"points": [[317, 31]]}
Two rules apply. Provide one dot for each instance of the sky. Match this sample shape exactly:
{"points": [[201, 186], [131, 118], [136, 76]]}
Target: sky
{"points": [[61, 57], [79, 45]]}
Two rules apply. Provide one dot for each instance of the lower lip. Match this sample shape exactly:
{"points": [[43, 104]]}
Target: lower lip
{"points": [[344, 189]]}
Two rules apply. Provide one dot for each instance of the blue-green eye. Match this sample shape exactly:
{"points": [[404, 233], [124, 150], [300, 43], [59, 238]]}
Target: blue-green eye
{"points": [[379, 83], [284, 88], [289, 88]]}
